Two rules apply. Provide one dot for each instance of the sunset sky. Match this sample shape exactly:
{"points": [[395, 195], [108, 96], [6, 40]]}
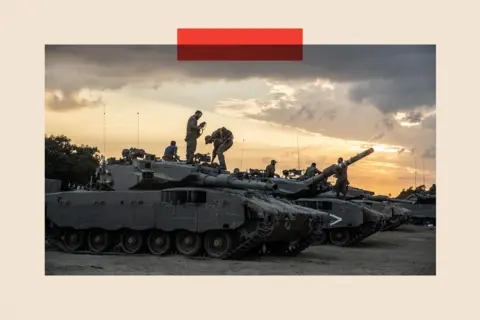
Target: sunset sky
{"points": [[337, 102]]}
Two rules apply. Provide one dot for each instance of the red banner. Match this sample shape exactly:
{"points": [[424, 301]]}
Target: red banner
{"points": [[239, 44]]}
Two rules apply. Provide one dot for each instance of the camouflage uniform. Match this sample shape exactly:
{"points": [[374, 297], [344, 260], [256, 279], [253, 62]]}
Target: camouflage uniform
{"points": [[270, 169], [341, 185], [311, 171], [222, 141], [193, 132]]}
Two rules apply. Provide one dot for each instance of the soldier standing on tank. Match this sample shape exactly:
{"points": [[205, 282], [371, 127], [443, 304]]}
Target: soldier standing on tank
{"points": [[193, 133], [312, 171], [270, 169], [341, 185], [222, 139]]}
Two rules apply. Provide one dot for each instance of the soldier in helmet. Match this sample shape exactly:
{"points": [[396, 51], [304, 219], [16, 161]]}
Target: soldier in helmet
{"points": [[341, 185], [270, 169], [222, 140], [194, 131]]}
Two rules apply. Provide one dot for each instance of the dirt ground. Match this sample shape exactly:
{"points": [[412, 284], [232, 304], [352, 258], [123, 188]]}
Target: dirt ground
{"points": [[410, 250]]}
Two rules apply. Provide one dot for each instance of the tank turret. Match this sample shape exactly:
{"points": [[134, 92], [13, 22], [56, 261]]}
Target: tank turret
{"points": [[149, 175], [350, 223], [308, 187], [200, 175]]}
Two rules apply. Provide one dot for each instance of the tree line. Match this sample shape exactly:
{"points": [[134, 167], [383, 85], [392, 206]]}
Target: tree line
{"points": [[68, 162]]}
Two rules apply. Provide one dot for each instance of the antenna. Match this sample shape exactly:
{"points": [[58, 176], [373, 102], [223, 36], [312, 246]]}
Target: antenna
{"points": [[104, 121], [298, 154], [241, 159], [138, 130], [415, 165], [423, 171]]}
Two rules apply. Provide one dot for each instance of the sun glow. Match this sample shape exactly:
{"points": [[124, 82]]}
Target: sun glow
{"points": [[377, 148]]}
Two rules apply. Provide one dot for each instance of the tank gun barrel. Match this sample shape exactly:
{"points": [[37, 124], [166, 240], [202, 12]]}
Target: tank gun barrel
{"points": [[385, 198], [206, 176], [331, 170], [227, 181]]}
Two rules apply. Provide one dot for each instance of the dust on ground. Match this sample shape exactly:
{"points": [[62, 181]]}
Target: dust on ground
{"points": [[410, 250]]}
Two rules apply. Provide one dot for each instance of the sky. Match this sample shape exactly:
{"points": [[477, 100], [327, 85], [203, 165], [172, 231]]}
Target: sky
{"points": [[338, 101]]}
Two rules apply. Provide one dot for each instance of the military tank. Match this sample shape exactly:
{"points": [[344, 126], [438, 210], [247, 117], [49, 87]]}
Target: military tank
{"points": [[349, 223], [423, 208], [160, 208], [397, 215]]}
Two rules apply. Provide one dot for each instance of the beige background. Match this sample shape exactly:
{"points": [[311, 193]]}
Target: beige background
{"points": [[25, 293]]}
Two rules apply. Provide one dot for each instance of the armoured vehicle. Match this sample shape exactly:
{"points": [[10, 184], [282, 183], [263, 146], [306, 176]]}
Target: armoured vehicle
{"points": [[397, 215], [170, 207], [349, 223], [422, 203], [423, 208]]}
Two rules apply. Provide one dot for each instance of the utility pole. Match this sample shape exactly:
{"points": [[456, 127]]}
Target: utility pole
{"points": [[415, 165], [104, 125], [423, 170], [241, 159], [298, 154], [138, 130]]}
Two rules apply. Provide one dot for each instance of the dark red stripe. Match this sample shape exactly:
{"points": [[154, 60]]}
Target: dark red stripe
{"points": [[239, 44]]}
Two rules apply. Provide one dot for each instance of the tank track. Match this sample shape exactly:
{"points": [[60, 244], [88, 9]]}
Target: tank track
{"points": [[369, 229], [394, 226], [358, 234], [263, 230], [303, 244], [254, 244], [421, 220]]}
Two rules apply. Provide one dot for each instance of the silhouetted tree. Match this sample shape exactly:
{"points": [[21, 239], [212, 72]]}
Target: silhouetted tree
{"points": [[68, 162], [420, 190], [405, 193]]}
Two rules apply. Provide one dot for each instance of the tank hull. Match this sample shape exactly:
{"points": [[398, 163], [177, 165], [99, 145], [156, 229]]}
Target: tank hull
{"points": [[221, 223], [422, 213], [396, 215], [349, 223]]}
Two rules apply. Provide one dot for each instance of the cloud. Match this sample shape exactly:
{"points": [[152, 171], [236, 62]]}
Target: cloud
{"points": [[430, 122], [323, 108], [430, 152], [397, 94], [391, 77], [372, 93], [413, 117], [61, 102]]}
